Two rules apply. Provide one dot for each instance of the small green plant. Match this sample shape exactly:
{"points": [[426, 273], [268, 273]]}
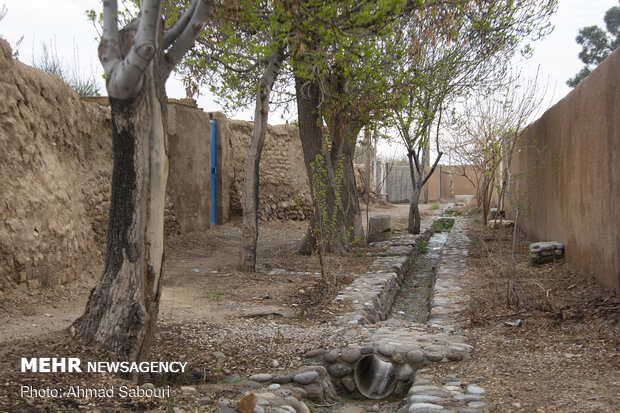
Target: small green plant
{"points": [[435, 206], [324, 228], [217, 294], [302, 314], [354, 245], [475, 242], [169, 404], [458, 213], [389, 253], [423, 247], [279, 336], [443, 226]]}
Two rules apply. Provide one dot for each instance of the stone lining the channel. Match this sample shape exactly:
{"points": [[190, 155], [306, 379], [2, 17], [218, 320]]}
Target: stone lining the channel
{"points": [[408, 346]]}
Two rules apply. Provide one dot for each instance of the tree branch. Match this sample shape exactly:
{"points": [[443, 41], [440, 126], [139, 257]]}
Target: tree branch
{"points": [[415, 157], [109, 50], [432, 169], [171, 35], [185, 40], [124, 78]]}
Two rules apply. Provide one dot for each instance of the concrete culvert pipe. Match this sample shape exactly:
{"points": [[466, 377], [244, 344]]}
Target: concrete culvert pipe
{"points": [[375, 377]]}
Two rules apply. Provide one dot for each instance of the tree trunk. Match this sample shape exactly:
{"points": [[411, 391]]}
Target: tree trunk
{"points": [[343, 151], [121, 313], [249, 234], [344, 126], [350, 197], [487, 194], [413, 221], [323, 179]]}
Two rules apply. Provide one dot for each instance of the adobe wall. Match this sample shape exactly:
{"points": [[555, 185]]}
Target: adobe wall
{"points": [[55, 152], [189, 179], [56, 156], [568, 175], [284, 189], [461, 185]]}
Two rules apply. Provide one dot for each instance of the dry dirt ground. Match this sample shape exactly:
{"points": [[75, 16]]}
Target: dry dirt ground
{"points": [[566, 355], [228, 324]]}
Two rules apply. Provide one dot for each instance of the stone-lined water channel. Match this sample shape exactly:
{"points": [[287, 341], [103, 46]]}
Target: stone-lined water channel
{"points": [[413, 300], [406, 313]]}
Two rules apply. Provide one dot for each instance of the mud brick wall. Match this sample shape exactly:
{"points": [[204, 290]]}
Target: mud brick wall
{"points": [[55, 153], [55, 174], [567, 170], [284, 189]]}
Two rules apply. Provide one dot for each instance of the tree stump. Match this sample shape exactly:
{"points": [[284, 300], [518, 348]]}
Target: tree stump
{"points": [[379, 228]]}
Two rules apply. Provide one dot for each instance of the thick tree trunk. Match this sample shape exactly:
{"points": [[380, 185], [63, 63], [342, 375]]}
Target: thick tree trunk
{"points": [[327, 223], [249, 234], [344, 140], [344, 126], [350, 199], [121, 313]]}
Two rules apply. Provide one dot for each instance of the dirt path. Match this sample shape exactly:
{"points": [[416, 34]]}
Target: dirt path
{"points": [[29, 314]]}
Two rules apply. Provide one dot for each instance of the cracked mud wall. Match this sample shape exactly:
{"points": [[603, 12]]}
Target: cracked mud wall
{"points": [[56, 157]]}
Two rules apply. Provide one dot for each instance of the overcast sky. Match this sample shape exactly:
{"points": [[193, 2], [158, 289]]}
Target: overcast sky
{"points": [[64, 22]]}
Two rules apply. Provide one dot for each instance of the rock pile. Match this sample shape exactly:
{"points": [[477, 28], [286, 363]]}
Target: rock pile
{"points": [[543, 252], [447, 395], [278, 207]]}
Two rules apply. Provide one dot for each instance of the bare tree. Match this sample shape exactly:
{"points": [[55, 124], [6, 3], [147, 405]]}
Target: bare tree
{"points": [[122, 309], [482, 134], [486, 133]]}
